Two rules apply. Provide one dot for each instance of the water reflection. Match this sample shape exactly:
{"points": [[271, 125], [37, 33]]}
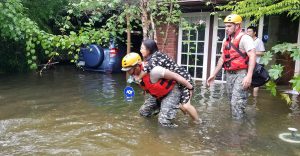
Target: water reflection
{"points": [[70, 112], [295, 105], [237, 135], [98, 89]]}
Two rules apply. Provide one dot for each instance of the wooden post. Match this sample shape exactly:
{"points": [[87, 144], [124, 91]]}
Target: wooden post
{"points": [[128, 33]]}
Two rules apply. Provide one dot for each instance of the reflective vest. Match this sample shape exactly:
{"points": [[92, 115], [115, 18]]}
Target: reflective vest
{"points": [[160, 89], [232, 59]]}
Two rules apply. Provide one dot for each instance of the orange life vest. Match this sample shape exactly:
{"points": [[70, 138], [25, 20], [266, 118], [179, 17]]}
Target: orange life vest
{"points": [[160, 89], [232, 59]]}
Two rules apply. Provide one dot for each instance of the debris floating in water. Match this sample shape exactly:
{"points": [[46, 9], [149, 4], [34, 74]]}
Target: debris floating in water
{"points": [[290, 137], [293, 92]]}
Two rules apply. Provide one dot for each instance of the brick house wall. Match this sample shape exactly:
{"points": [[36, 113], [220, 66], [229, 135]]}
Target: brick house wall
{"points": [[172, 40]]}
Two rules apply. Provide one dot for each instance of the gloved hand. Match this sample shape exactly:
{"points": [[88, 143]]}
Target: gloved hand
{"points": [[130, 79]]}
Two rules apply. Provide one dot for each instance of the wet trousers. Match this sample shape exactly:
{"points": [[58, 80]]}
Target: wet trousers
{"points": [[167, 107], [237, 95]]}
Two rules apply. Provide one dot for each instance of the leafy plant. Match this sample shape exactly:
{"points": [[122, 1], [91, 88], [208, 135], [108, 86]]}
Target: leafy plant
{"points": [[84, 22], [292, 50], [260, 8]]}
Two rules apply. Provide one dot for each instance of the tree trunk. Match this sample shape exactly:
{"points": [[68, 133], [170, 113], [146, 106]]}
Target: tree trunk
{"points": [[145, 18], [128, 35], [154, 34], [167, 29]]}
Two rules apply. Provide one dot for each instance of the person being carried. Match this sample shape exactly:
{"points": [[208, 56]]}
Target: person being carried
{"points": [[160, 84], [259, 49]]}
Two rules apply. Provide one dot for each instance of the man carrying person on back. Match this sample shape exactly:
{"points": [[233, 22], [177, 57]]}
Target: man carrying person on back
{"points": [[163, 93]]}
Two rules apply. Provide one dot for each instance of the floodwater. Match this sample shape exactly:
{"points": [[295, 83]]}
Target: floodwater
{"points": [[71, 112]]}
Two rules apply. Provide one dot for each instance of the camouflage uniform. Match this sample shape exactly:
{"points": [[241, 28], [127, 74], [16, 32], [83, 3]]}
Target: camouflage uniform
{"points": [[237, 95], [167, 107]]}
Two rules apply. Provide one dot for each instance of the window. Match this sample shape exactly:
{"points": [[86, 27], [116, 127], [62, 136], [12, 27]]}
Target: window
{"points": [[192, 51]]}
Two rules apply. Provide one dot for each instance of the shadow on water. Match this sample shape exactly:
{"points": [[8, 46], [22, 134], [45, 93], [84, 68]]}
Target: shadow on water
{"points": [[70, 112]]}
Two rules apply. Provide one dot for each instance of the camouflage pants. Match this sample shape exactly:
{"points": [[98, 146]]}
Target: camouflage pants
{"points": [[237, 95], [167, 107]]}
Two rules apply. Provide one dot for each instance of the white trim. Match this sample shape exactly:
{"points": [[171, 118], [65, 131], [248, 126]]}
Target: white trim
{"points": [[179, 46], [206, 40], [246, 24], [260, 27], [297, 63], [214, 45]]}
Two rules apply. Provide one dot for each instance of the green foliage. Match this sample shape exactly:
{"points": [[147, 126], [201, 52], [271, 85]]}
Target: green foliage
{"points": [[275, 71], [17, 26], [12, 58], [85, 22], [42, 12], [286, 97], [266, 58], [292, 49], [296, 83], [161, 10], [271, 86], [260, 8]]}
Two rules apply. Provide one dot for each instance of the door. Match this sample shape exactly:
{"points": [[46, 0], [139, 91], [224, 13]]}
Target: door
{"points": [[193, 44]]}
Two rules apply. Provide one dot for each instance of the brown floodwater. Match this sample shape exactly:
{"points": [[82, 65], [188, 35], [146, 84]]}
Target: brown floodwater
{"points": [[71, 112]]}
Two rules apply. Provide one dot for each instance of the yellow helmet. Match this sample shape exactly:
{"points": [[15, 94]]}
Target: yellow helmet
{"points": [[130, 60], [233, 18]]}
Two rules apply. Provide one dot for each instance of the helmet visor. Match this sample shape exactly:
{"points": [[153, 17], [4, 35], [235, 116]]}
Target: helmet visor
{"points": [[126, 68]]}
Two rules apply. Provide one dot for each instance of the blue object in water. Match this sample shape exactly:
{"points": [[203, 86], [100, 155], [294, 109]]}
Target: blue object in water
{"points": [[96, 58], [93, 56], [129, 93]]}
